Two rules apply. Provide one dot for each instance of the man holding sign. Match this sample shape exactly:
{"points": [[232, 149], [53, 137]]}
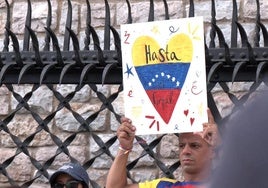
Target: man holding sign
{"points": [[164, 82], [196, 153]]}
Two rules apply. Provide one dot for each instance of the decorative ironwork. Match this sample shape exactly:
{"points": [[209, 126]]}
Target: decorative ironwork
{"points": [[47, 66]]}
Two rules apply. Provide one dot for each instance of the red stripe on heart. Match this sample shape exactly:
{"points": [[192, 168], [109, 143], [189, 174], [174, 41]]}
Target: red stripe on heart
{"points": [[164, 101]]}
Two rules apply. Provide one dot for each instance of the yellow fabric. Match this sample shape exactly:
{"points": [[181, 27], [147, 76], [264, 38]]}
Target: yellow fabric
{"points": [[153, 183]]}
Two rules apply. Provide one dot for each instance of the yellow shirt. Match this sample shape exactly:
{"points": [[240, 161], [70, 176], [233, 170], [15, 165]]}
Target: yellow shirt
{"points": [[169, 183], [154, 183]]}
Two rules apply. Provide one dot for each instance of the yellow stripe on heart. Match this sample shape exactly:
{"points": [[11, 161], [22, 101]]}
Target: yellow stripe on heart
{"points": [[182, 45], [146, 50]]}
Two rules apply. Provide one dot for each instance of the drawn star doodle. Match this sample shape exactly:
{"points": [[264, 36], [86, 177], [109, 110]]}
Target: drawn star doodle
{"points": [[128, 71]]}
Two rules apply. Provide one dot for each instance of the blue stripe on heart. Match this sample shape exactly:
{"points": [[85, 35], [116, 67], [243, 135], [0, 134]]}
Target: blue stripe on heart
{"points": [[163, 76]]}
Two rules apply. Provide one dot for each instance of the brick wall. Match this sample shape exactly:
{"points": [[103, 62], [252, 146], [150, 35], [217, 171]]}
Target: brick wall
{"points": [[86, 101]]}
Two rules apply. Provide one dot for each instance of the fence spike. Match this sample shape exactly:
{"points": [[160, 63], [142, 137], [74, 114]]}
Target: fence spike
{"points": [[237, 67], [48, 25], [191, 9], [151, 11], [107, 26], [28, 22], [243, 34], [45, 70], [100, 55], [220, 35], [87, 30], [85, 71], [257, 26], [260, 68], [94, 37], [117, 43], [212, 32], [35, 44], [4, 69], [264, 33], [6, 39], [16, 47], [224, 45], [213, 69], [106, 70], [66, 42], [129, 17], [246, 44], [76, 48], [234, 25], [166, 10], [24, 69], [65, 70], [56, 47]]}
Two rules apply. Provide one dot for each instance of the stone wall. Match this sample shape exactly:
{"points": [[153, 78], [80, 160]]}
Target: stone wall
{"points": [[85, 101]]}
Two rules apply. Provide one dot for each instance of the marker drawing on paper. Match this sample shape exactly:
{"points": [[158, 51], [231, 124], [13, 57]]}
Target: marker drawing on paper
{"points": [[164, 75]]}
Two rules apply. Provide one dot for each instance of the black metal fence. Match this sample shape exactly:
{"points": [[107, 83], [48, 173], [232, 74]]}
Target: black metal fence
{"points": [[241, 61]]}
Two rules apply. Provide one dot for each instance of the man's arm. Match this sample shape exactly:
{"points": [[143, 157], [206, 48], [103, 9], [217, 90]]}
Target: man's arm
{"points": [[117, 176]]}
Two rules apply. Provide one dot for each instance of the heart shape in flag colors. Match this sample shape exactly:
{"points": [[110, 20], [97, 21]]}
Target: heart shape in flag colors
{"points": [[162, 70]]}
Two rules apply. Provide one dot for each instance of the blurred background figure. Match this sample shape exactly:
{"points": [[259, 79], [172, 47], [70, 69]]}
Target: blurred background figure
{"points": [[70, 175], [244, 160]]}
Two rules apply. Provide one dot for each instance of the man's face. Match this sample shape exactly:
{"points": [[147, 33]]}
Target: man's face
{"points": [[195, 154]]}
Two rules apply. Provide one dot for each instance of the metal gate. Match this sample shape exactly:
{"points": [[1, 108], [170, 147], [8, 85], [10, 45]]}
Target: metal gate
{"points": [[241, 61]]}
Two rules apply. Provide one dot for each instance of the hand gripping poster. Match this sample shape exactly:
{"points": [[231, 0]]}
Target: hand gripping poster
{"points": [[164, 75]]}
